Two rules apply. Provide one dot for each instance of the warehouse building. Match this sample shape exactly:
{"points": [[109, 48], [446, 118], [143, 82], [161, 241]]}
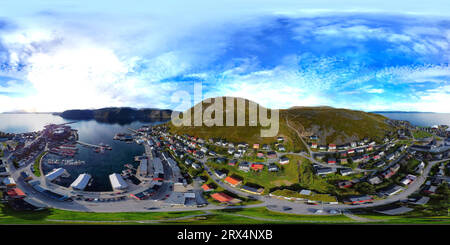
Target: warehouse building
{"points": [[54, 174], [81, 182], [117, 182]]}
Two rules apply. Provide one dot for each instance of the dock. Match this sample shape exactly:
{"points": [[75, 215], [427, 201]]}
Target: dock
{"points": [[89, 145], [134, 131]]}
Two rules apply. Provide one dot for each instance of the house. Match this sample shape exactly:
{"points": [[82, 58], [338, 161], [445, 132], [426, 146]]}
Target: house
{"points": [[232, 162], [281, 148], [271, 154], [379, 164], [324, 171], [331, 161], [207, 188], [221, 197], [279, 139], [343, 161], [16, 193], [232, 181], [375, 180], [357, 159], [331, 147], [345, 184], [219, 174], [408, 179], [25, 176], [343, 154], [9, 182], [196, 166], [256, 146], [231, 151], [221, 160], [351, 151], [252, 190], [273, 168], [345, 171], [392, 190], [355, 200], [260, 155], [244, 166], [284, 160], [431, 189], [265, 147], [3, 171], [353, 144], [257, 166], [314, 145], [390, 157], [188, 161], [391, 171], [305, 192]]}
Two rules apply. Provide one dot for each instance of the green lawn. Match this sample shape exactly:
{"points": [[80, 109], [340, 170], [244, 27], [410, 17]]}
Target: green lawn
{"points": [[36, 167], [288, 174], [421, 134], [11, 216]]}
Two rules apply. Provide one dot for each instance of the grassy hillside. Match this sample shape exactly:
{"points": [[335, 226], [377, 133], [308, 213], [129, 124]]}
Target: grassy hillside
{"points": [[330, 124], [337, 126]]}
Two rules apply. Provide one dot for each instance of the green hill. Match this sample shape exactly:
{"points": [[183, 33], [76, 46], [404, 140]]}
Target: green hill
{"points": [[330, 124], [338, 126]]}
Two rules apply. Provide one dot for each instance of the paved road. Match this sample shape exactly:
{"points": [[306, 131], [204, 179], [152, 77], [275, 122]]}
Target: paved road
{"points": [[300, 136]]}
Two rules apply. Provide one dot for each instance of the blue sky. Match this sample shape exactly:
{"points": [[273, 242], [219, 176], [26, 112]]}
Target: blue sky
{"points": [[365, 55]]}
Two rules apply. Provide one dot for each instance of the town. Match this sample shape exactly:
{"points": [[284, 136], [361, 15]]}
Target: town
{"points": [[185, 172]]}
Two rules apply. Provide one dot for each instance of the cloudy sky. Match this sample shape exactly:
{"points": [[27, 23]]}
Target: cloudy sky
{"points": [[366, 55]]}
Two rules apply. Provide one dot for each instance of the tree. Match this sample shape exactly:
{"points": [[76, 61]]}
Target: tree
{"points": [[364, 187]]}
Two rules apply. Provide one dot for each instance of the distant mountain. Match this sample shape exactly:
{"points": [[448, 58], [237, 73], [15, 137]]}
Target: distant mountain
{"points": [[117, 114]]}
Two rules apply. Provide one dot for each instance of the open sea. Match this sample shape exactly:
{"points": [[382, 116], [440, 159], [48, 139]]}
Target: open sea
{"points": [[100, 166], [420, 118]]}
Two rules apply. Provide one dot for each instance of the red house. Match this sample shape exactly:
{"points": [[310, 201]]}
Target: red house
{"points": [[221, 197], [257, 166], [16, 193]]}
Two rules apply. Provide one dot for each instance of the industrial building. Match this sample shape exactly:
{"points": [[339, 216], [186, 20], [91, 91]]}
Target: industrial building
{"points": [[159, 170], [81, 182], [143, 167], [117, 182], [54, 174]]}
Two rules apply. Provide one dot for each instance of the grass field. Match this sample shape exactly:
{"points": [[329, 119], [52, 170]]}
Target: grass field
{"points": [[11, 216], [421, 134], [288, 174], [36, 166], [226, 216]]}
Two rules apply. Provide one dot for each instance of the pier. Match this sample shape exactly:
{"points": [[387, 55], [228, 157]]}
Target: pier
{"points": [[134, 131], [89, 145]]}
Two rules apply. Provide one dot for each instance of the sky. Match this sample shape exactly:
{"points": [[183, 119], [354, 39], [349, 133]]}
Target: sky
{"points": [[364, 55]]}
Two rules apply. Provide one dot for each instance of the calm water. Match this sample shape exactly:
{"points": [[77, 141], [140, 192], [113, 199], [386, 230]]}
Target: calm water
{"points": [[421, 119], [100, 166]]}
